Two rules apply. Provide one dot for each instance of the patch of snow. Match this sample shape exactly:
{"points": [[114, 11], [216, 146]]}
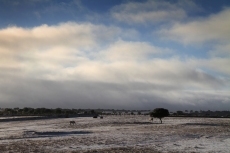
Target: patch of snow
{"points": [[175, 134]]}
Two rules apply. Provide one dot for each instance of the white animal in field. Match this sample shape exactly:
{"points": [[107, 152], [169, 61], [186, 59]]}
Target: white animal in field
{"points": [[72, 122], [151, 119]]}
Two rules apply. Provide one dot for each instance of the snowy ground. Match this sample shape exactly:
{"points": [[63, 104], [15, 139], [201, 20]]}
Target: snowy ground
{"points": [[116, 134]]}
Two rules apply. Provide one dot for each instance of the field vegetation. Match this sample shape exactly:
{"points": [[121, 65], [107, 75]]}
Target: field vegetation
{"points": [[116, 134]]}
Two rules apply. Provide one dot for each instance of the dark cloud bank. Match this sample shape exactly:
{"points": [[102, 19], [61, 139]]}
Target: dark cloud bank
{"points": [[73, 94]]}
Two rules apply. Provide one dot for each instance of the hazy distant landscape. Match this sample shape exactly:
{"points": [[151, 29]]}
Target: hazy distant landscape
{"points": [[61, 112], [115, 133]]}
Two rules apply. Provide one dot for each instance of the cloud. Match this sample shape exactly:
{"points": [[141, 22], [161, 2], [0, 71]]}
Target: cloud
{"points": [[220, 50], [214, 28], [70, 33], [123, 51], [88, 94], [55, 43], [154, 12], [216, 64], [87, 65], [209, 31]]}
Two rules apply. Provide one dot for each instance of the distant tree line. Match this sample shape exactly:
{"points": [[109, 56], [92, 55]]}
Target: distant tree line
{"points": [[201, 113], [26, 111]]}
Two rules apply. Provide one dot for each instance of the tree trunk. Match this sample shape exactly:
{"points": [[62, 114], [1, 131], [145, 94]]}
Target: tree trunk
{"points": [[161, 120]]}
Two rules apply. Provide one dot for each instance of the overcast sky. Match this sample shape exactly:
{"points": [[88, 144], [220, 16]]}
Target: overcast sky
{"points": [[116, 54]]}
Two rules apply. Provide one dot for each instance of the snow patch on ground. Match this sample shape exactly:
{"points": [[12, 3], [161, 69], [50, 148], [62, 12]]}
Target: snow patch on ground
{"points": [[121, 133]]}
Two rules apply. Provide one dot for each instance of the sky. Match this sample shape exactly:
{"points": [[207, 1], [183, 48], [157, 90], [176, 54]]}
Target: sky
{"points": [[115, 54]]}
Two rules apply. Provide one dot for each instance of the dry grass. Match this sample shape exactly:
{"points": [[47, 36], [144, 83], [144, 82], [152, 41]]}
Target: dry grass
{"points": [[114, 134]]}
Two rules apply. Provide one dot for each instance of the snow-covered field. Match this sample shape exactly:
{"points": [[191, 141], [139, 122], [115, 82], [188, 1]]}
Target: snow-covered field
{"points": [[116, 134]]}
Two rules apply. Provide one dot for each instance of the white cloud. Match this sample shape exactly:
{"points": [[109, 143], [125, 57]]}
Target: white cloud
{"points": [[221, 50], [92, 63], [214, 28], [66, 34], [152, 11], [123, 51], [215, 64], [60, 42], [212, 31]]}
